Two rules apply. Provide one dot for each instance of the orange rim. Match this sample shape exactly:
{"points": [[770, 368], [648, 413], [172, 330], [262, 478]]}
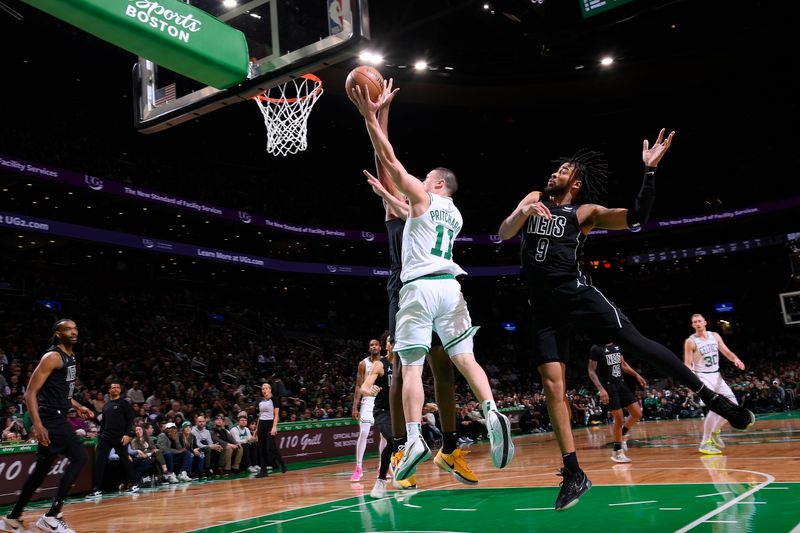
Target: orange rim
{"points": [[264, 98]]}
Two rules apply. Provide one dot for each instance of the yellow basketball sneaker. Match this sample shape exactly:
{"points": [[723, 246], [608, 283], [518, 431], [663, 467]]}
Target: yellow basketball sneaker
{"points": [[708, 448], [456, 465], [716, 438]]}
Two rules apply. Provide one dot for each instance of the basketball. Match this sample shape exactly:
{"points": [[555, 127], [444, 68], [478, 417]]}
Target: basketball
{"points": [[365, 76]]}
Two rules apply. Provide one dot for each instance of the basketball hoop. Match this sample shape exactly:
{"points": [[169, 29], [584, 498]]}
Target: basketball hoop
{"points": [[286, 108]]}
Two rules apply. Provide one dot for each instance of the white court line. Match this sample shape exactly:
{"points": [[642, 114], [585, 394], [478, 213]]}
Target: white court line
{"points": [[796, 529], [412, 506], [670, 508], [731, 503], [721, 522], [776, 488], [536, 509], [750, 503], [275, 522], [451, 509], [715, 494], [631, 503]]}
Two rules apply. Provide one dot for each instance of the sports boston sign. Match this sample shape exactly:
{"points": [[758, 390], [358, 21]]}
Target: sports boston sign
{"points": [[175, 35]]}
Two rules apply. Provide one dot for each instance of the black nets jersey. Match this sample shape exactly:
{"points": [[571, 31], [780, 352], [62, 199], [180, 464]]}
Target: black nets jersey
{"points": [[384, 382], [609, 362], [58, 388], [550, 249]]}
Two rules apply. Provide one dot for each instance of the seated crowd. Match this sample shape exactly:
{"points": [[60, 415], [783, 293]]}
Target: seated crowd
{"points": [[194, 381]]}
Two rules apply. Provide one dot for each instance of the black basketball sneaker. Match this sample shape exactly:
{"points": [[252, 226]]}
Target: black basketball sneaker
{"points": [[573, 486]]}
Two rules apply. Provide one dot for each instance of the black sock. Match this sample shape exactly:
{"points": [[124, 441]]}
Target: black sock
{"points": [[624, 430], [571, 461], [617, 446], [397, 442], [449, 441]]}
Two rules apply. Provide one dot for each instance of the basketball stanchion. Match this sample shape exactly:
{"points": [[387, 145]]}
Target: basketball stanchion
{"points": [[286, 108]]}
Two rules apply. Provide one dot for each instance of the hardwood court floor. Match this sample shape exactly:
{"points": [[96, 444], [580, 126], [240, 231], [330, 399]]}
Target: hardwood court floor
{"points": [[669, 486]]}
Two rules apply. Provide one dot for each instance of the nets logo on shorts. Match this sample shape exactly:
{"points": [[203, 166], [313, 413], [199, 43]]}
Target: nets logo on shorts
{"points": [[245, 217], [96, 184]]}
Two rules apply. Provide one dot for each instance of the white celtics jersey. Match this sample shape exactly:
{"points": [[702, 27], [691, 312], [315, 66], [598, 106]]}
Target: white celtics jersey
{"points": [[706, 356], [428, 240]]}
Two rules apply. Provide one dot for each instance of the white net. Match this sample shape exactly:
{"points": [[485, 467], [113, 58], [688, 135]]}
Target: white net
{"points": [[286, 108]]}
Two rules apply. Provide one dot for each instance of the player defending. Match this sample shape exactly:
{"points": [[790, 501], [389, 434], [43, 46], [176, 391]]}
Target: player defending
{"points": [[554, 223], [431, 297], [615, 394], [701, 354], [362, 408]]}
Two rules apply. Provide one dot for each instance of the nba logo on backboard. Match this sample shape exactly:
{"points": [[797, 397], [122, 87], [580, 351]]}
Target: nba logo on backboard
{"points": [[96, 184], [245, 217], [335, 17]]}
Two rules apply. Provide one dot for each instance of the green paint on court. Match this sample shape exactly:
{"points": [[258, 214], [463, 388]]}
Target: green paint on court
{"points": [[652, 508]]}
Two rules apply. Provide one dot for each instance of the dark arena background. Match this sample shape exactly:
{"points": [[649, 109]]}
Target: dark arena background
{"points": [[198, 266]]}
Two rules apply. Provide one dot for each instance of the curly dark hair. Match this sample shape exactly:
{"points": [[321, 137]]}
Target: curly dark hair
{"points": [[591, 168]]}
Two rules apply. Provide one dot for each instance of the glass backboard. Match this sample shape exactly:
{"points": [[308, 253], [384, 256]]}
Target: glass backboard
{"points": [[285, 38]]}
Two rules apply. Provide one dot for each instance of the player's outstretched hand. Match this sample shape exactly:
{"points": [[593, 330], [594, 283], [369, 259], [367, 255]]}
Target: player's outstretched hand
{"points": [[377, 186], [651, 156], [360, 97], [387, 95]]}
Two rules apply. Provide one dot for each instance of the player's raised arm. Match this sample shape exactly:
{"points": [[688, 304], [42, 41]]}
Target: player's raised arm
{"points": [[621, 218], [392, 199], [395, 205], [410, 186]]}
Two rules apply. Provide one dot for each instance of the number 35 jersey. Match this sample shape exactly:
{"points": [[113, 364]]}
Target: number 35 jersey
{"points": [[428, 240]]}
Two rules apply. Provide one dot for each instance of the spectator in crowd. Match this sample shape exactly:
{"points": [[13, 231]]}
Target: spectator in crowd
{"points": [[206, 442], [231, 454], [430, 432], [98, 402], [690, 408], [79, 425], [188, 441], [176, 456], [148, 456], [245, 439]]}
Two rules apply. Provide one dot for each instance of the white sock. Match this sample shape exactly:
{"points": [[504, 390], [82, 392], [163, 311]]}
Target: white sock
{"points": [[487, 406], [413, 431]]}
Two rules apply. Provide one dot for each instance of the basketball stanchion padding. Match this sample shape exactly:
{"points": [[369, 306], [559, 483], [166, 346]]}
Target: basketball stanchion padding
{"points": [[286, 108]]}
